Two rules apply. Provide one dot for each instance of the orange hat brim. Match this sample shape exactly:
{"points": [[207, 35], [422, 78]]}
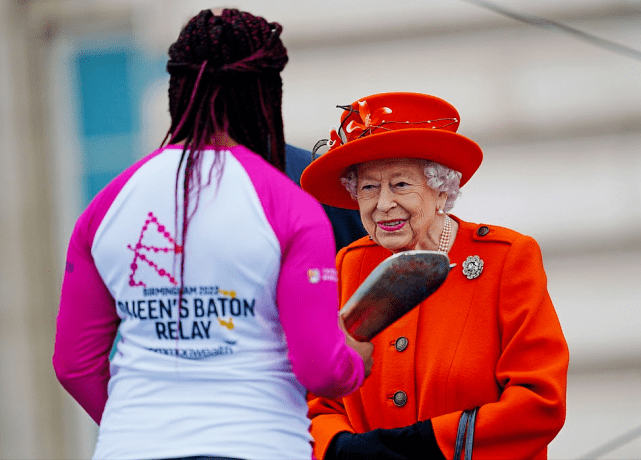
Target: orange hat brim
{"points": [[321, 178]]}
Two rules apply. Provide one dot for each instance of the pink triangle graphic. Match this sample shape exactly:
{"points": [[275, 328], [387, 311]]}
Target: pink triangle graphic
{"points": [[143, 251]]}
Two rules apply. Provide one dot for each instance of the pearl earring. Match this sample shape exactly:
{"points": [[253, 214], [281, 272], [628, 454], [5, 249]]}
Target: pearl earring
{"points": [[440, 212]]}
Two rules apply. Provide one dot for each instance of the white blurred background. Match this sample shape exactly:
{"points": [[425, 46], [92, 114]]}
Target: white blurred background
{"points": [[83, 93]]}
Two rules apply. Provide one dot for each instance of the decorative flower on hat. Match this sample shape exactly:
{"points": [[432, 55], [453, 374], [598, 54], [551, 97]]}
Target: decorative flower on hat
{"points": [[334, 139], [370, 120]]}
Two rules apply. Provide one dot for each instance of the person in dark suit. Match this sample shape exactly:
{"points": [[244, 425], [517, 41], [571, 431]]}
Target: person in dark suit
{"points": [[346, 223]]}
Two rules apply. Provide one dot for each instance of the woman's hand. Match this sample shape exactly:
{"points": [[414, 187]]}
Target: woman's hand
{"points": [[364, 349], [413, 442]]}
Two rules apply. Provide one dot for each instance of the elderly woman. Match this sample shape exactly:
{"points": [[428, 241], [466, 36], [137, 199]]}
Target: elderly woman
{"points": [[489, 338]]}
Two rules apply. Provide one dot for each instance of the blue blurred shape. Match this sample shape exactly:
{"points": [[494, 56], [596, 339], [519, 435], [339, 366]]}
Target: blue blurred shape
{"points": [[105, 92]]}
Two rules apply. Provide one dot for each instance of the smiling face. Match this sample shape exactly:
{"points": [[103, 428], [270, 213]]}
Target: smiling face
{"points": [[397, 207]]}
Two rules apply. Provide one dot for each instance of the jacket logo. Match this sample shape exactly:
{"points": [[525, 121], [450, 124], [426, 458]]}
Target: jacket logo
{"points": [[313, 274], [316, 275], [149, 250]]}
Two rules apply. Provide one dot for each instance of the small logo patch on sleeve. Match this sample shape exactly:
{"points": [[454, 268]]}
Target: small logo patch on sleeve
{"points": [[330, 274], [316, 275], [313, 275]]}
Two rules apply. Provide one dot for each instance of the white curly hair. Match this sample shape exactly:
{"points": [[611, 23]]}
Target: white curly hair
{"points": [[439, 177]]}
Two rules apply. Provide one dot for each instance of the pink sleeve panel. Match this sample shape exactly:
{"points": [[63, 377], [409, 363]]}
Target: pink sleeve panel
{"points": [[87, 321], [307, 295]]}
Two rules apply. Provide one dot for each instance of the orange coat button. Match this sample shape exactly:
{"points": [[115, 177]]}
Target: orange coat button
{"points": [[482, 231], [401, 343], [400, 398]]}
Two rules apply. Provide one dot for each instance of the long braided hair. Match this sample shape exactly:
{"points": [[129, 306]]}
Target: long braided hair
{"points": [[224, 78]]}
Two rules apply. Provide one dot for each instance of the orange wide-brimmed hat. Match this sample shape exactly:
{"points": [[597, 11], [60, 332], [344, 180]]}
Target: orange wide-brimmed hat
{"points": [[389, 125]]}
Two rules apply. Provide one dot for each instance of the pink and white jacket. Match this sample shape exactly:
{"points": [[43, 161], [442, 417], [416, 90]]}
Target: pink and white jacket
{"points": [[224, 373]]}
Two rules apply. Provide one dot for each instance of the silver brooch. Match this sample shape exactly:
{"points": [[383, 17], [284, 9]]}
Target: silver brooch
{"points": [[472, 267]]}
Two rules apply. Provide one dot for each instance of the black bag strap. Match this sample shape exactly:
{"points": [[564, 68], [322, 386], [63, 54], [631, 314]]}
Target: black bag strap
{"points": [[465, 434]]}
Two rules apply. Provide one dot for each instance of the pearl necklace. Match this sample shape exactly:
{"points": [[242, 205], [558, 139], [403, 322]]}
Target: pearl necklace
{"points": [[444, 241]]}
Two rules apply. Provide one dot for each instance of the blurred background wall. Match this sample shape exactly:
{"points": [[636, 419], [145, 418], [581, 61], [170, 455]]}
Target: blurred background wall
{"points": [[83, 94]]}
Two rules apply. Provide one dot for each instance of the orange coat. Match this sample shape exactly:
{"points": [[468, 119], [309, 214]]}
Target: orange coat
{"points": [[494, 341]]}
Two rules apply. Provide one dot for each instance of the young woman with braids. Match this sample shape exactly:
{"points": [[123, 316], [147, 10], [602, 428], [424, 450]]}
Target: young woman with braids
{"points": [[214, 267]]}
